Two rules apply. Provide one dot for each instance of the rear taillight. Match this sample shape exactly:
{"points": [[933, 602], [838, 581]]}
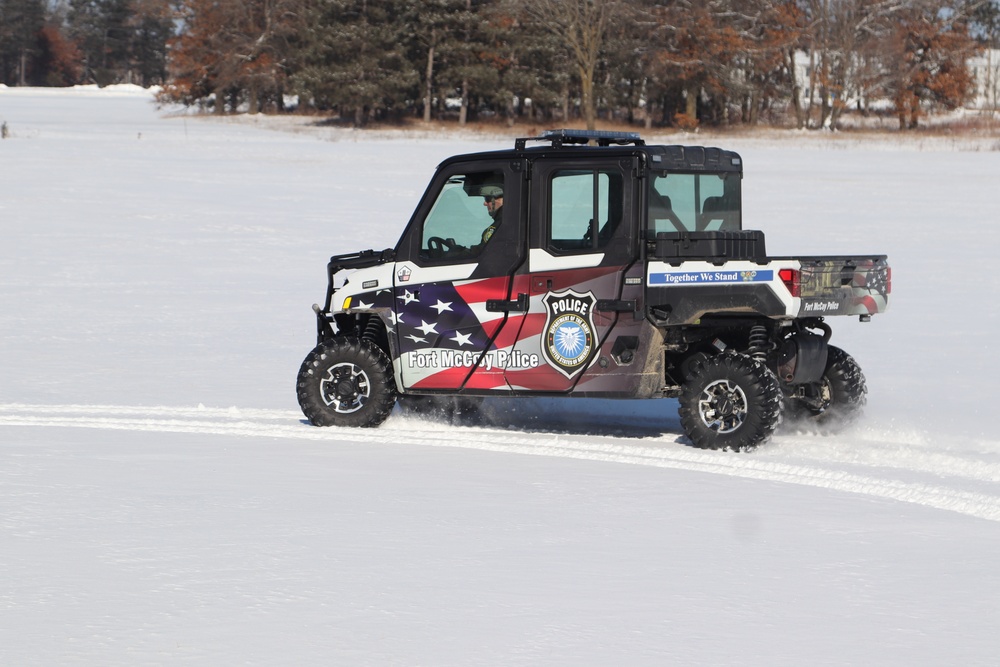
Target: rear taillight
{"points": [[888, 280], [790, 277]]}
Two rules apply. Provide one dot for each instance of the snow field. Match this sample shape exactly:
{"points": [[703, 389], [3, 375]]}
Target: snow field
{"points": [[161, 501]]}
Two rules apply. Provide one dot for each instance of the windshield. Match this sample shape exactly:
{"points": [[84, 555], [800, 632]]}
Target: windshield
{"points": [[694, 203]]}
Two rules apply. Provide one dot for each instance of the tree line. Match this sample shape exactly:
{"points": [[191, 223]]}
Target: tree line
{"points": [[653, 62]]}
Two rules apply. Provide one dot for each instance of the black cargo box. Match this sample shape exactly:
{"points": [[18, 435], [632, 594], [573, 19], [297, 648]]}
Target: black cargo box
{"points": [[743, 244]]}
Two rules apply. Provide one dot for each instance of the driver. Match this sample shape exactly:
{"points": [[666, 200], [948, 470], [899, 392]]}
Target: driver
{"points": [[493, 201]]}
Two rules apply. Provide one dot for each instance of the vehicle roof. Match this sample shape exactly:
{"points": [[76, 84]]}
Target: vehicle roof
{"points": [[577, 144]]}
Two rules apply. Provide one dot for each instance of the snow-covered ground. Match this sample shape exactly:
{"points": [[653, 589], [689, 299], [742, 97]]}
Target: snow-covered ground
{"points": [[161, 501]]}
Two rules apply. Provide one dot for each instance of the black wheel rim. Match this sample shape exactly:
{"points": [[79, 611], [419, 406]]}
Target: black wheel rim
{"points": [[346, 388], [722, 406]]}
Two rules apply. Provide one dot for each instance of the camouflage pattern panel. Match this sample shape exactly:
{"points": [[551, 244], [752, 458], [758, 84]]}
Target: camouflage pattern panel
{"points": [[844, 286]]}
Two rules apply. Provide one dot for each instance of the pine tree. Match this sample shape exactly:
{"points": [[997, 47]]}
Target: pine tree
{"points": [[354, 58], [101, 31], [21, 23], [469, 72], [542, 73], [152, 26], [438, 27]]}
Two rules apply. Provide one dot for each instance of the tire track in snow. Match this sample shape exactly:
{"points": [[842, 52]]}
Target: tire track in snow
{"points": [[945, 493]]}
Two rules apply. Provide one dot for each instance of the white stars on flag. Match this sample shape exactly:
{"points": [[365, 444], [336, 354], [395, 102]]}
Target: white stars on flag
{"points": [[462, 339], [436, 316], [427, 328], [441, 306]]}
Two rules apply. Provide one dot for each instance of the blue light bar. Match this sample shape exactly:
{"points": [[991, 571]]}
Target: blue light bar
{"points": [[560, 138], [586, 136]]}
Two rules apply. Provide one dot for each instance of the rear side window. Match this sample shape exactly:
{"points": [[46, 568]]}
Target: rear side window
{"points": [[694, 203], [585, 209]]}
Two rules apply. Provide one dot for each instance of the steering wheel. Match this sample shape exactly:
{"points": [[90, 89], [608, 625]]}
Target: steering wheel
{"points": [[439, 246]]}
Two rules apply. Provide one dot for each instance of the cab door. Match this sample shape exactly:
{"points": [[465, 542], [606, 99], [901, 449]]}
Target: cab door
{"points": [[583, 240], [453, 279]]}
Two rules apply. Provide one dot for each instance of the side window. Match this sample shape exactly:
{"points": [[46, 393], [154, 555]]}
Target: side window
{"points": [[585, 209], [466, 212], [694, 202]]}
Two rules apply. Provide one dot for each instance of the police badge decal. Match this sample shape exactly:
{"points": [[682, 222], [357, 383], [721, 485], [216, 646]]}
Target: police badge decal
{"points": [[569, 330]]}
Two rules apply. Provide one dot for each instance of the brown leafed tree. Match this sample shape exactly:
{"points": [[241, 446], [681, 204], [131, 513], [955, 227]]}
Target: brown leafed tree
{"points": [[233, 50], [59, 57], [199, 65], [695, 45], [928, 51]]}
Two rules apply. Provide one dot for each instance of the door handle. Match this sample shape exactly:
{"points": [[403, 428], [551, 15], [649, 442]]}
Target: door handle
{"points": [[504, 306], [616, 305]]}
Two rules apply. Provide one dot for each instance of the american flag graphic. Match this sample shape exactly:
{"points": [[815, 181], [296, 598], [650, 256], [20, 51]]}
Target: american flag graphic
{"points": [[446, 337]]}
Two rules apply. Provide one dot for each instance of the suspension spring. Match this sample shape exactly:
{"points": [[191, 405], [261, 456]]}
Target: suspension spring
{"points": [[759, 342], [373, 330]]}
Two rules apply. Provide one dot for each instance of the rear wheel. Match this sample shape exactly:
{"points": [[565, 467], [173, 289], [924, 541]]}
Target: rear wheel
{"points": [[730, 401], [838, 399], [346, 382]]}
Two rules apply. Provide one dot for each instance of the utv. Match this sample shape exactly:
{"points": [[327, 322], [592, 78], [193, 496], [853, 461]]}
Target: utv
{"points": [[590, 264]]}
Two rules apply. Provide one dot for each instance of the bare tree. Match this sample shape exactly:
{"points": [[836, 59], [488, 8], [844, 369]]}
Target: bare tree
{"points": [[843, 41], [583, 26]]}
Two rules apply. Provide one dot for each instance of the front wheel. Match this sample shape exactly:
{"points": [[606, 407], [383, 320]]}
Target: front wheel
{"points": [[346, 382], [730, 401]]}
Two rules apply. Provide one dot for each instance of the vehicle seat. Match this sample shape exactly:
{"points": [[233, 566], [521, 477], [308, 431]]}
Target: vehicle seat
{"points": [[716, 209], [660, 208]]}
